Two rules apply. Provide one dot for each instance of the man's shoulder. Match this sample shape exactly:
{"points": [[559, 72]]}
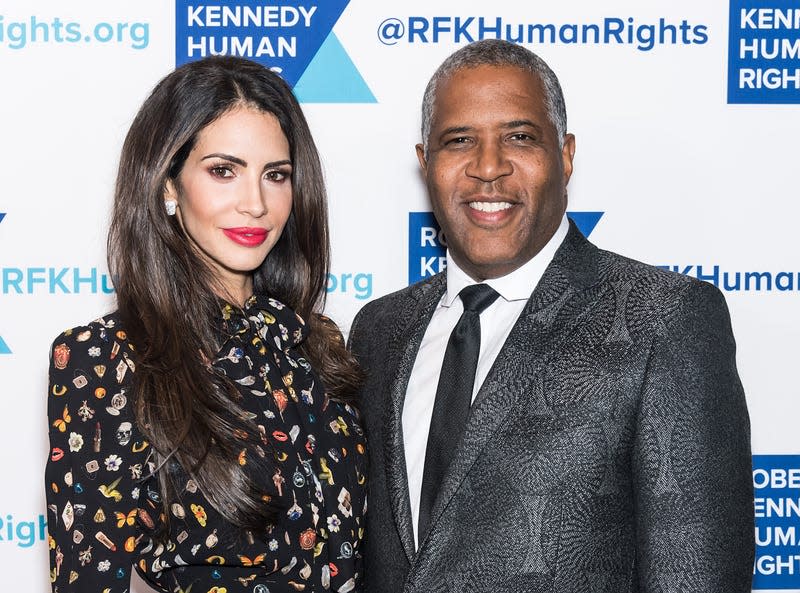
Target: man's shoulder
{"points": [[615, 266], [661, 286], [398, 305], [398, 301], [588, 265]]}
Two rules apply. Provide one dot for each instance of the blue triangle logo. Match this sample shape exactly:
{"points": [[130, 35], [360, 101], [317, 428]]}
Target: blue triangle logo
{"points": [[585, 221], [284, 35], [331, 77], [4, 349], [2, 216]]}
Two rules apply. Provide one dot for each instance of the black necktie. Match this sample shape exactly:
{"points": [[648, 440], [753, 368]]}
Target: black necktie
{"points": [[453, 396]]}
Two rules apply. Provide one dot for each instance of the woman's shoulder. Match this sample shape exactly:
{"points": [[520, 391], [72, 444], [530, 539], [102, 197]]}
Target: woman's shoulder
{"points": [[98, 351], [101, 336], [96, 327]]}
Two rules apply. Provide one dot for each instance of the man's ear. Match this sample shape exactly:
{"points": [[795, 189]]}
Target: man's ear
{"points": [[423, 162], [567, 154]]}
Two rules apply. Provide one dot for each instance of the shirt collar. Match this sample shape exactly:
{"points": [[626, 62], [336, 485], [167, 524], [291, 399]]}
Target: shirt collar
{"points": [[515, 286]]}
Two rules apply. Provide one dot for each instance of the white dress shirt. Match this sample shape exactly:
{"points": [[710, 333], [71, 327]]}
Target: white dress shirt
{"points": [[496, 322]]}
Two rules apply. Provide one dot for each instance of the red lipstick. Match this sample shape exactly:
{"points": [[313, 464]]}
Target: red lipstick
{"points": [[247, 236]]}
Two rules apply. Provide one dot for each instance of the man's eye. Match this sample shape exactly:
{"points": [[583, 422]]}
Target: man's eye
{"points": [[522, 137]]}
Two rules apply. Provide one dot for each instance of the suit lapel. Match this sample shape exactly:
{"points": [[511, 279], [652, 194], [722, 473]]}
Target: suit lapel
{"points": [[542, 326], [413, 318]]}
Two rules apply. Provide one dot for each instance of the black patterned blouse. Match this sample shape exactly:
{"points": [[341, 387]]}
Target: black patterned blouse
{"points": [[104, 507]]}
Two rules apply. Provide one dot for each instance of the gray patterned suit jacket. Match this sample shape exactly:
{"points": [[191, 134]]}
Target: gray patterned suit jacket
{"points": [[608, 449]]}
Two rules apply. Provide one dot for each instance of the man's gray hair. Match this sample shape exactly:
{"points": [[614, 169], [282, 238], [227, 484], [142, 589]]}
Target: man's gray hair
{"points": [[497, 52]]}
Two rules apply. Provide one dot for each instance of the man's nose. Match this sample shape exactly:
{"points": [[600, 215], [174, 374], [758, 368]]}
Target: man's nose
{"points": [[489, 162]]}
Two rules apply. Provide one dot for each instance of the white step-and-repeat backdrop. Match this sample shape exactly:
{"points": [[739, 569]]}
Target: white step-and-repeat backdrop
{"points": [[687, 123]]}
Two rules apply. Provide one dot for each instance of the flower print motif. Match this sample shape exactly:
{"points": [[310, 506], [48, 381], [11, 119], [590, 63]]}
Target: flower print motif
{"points": [[263, 370], [234, 355], [104, 566], [273, 545], [199, 514], [135, 493], [284, 332], [113, 462], [94, 351], [334, 523], [75, 442]]}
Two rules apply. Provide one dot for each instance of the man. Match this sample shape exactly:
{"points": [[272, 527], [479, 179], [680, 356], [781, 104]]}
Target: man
{"points": [[603, 439]]}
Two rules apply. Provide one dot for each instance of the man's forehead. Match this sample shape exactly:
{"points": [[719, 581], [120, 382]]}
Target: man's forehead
{"points": [[487, 74], [511, 93]]}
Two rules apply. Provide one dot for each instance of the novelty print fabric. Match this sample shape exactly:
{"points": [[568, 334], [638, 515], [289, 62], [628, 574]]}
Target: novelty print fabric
{"points": [[104, 504]]}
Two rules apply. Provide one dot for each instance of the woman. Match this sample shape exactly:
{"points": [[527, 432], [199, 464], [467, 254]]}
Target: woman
{"points": [[202, 432]]}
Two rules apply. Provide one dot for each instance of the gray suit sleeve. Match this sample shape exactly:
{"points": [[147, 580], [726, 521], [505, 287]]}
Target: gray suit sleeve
{"points": [[691, 462], [357, 338]]}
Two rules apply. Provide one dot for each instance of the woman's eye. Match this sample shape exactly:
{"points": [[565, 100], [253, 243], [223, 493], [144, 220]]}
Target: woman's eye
{"points": [[220, 171], [277, 175]]}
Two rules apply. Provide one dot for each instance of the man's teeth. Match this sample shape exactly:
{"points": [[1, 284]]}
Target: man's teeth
{"points": [[490, 206]]}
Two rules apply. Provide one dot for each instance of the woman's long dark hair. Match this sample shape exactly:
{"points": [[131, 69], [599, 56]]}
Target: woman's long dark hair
{"points": [[165, 291]]}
